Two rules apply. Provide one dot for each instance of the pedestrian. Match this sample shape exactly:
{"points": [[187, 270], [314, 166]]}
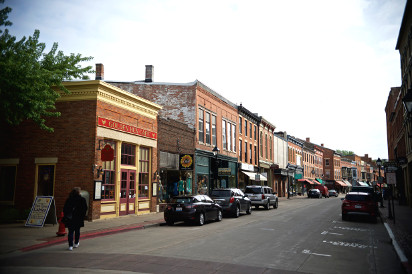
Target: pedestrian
{"points": [[74, 210]]}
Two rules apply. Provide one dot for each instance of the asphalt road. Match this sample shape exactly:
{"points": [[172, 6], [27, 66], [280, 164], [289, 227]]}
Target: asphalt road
{"points": [[301, 236]]}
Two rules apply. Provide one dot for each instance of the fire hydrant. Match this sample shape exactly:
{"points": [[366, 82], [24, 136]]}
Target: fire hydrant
{"points": [[62, 227]]}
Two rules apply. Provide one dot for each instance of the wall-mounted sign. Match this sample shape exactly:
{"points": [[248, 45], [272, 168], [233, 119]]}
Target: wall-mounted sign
{"points": [[107, 153], [97, 190], [186, 162], [103, 122], [224, 171]]}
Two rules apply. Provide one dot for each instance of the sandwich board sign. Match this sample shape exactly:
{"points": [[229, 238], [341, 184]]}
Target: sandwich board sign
{"points": [[41, 210]]}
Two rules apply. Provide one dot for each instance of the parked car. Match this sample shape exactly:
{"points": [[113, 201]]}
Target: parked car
{"points": [[333, 193], [314, 193], [323, 189], [192, 208], [232, 201], [262, 196], [359, 203], [368, 189]]}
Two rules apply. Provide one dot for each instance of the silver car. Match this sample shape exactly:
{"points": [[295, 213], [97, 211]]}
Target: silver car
{"points": [[262, 196]]}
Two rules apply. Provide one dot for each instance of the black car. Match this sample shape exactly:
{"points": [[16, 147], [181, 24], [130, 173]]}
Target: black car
{"points": [[192, 208], [314, 193], [232, 201]]}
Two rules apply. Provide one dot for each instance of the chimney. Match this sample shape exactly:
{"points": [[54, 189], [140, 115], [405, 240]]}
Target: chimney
{"points": [[308, 139], [99, 72], [321, 144], [149, 74]]}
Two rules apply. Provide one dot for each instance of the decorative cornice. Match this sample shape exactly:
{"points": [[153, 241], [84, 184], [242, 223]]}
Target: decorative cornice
{"points": [[102, 91]]}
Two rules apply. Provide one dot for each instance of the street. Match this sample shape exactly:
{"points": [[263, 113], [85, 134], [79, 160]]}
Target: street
{"points": [[302, 235]]}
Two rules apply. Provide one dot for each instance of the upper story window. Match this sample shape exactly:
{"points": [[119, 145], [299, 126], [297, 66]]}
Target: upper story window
{"points": [[201, 125], [229, 136], [266, 146], [224, 141], [261, 144], [234, 137], [214, 130], [240, 150], [240, 125], [250, 129], [255, 129], [326, 162], [128, 154], [245, 128], [245, 152], [207, 128], [270, 147]]}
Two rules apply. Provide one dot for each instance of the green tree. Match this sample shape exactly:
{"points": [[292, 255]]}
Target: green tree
{"points": [[27, 76], [345, 152]]}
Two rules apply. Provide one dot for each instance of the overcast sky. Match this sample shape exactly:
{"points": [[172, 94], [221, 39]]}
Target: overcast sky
{"points": [[318, 69]]}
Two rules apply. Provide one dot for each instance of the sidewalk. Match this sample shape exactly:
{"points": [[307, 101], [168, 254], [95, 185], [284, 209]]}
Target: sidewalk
{"points": [[19, 238]]}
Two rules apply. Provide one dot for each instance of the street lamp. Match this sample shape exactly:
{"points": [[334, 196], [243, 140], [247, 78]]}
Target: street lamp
{"points": [[379, 163], [215, 153]]}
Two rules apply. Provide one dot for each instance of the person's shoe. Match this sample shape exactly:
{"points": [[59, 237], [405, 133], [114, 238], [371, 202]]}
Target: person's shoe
{"points": [[70, 248], [76, 245]]}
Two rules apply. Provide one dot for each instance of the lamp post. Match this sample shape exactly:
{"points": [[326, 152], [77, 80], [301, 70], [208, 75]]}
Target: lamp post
{"points": [[215, 153], [379, 163]]}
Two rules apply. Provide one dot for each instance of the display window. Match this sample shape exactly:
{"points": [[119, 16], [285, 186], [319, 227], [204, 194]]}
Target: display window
{"points": [[109, 178], [144, 173]]}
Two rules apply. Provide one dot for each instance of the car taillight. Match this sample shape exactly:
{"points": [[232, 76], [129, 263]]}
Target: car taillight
{"points": [[263, 196], [232, 199], [346, 203]]}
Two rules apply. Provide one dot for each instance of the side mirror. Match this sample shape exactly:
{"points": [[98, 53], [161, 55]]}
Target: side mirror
{"points": [[342, 199]]}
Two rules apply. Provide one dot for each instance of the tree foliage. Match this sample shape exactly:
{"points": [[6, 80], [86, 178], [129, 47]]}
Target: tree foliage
{"points": [[27, 76], [345, 152]]}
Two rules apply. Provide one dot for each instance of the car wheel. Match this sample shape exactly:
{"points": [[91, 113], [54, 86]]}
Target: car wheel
{"points": [[219, 216], [344, 217], [237, 212], [169, 222], [267, 206], [249, 209], [275, 205], [201, 219]]}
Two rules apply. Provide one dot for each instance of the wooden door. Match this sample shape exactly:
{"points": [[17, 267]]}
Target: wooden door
{"points": [[127, 192]]}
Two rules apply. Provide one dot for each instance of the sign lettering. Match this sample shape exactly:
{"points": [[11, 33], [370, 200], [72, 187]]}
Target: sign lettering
{"points": [[107, 123]]}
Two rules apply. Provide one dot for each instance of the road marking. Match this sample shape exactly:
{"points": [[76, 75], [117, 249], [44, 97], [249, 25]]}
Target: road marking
{"points": [[269, 229], [349, 244], [327, 232], [306, 251], [351, 228]]}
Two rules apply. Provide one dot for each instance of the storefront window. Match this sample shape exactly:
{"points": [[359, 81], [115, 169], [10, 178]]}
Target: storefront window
{"points": [[202, 184], [128, 154], [108, 184], [144, 173], [7, 183]]}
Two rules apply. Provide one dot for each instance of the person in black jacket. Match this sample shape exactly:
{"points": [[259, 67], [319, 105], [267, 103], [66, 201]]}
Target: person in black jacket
{"points": [[75, 210]]}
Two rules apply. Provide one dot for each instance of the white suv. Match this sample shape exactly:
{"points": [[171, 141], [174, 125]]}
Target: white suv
{"points": [[262, 196]]}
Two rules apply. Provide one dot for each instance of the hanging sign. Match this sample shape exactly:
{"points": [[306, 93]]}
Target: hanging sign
{"points": [[186, 162], [40, 210], [107, 153]]}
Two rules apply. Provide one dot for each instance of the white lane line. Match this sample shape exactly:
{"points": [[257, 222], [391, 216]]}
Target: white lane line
{"points": [[268, 229], [338, 243], [333, 233], [399, 251], [306, 251]]}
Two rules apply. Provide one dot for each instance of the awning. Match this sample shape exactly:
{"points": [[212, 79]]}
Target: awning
{"points": [[252, 176], [316, 182], [319, 180], [341, 183], [305, 181], [347, 183]]}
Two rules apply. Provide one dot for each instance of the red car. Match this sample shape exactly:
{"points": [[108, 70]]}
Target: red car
{"points": [[359, 203]]}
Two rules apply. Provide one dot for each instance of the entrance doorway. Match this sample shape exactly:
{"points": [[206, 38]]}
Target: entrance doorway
{"points": [[127, 192]]}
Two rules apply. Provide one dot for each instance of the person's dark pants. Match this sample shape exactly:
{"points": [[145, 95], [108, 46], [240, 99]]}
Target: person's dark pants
{"points": [[76, 232]]}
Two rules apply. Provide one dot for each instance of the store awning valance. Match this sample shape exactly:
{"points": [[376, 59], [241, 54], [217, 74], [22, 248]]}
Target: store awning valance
{"points": [[341, 183], [252, 176], [305, 181], [319, 180]]}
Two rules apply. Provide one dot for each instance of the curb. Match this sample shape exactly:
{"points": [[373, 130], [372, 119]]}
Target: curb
{"points": [[92, 234], [404, 261]]}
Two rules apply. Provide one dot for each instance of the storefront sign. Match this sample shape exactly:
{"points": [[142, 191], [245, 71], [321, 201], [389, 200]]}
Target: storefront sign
{"points": [[39, 211], [186, 162], [224, 171], [391, 178], [103, 122]]}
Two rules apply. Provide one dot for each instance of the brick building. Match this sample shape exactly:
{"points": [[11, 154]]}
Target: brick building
{"points": [[295, 164], [96, 118], [280, 161], [210, 115], [266, 130]]}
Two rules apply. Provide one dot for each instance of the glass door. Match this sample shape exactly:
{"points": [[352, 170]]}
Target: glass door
{"points": [[127, 192]]}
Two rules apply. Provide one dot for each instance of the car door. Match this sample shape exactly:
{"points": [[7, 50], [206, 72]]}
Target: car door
{"points": [[207, 206], [241, 198]]}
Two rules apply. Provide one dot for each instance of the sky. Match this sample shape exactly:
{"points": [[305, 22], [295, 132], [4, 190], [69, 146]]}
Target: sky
{"points": [[320, 69]]}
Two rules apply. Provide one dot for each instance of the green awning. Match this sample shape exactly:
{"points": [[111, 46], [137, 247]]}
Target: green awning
{"points": [[319, 180]]}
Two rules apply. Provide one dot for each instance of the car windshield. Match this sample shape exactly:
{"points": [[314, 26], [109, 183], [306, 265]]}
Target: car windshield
{"points": [[355, 197], [221, 193], [182, 200], [253, 190]]}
